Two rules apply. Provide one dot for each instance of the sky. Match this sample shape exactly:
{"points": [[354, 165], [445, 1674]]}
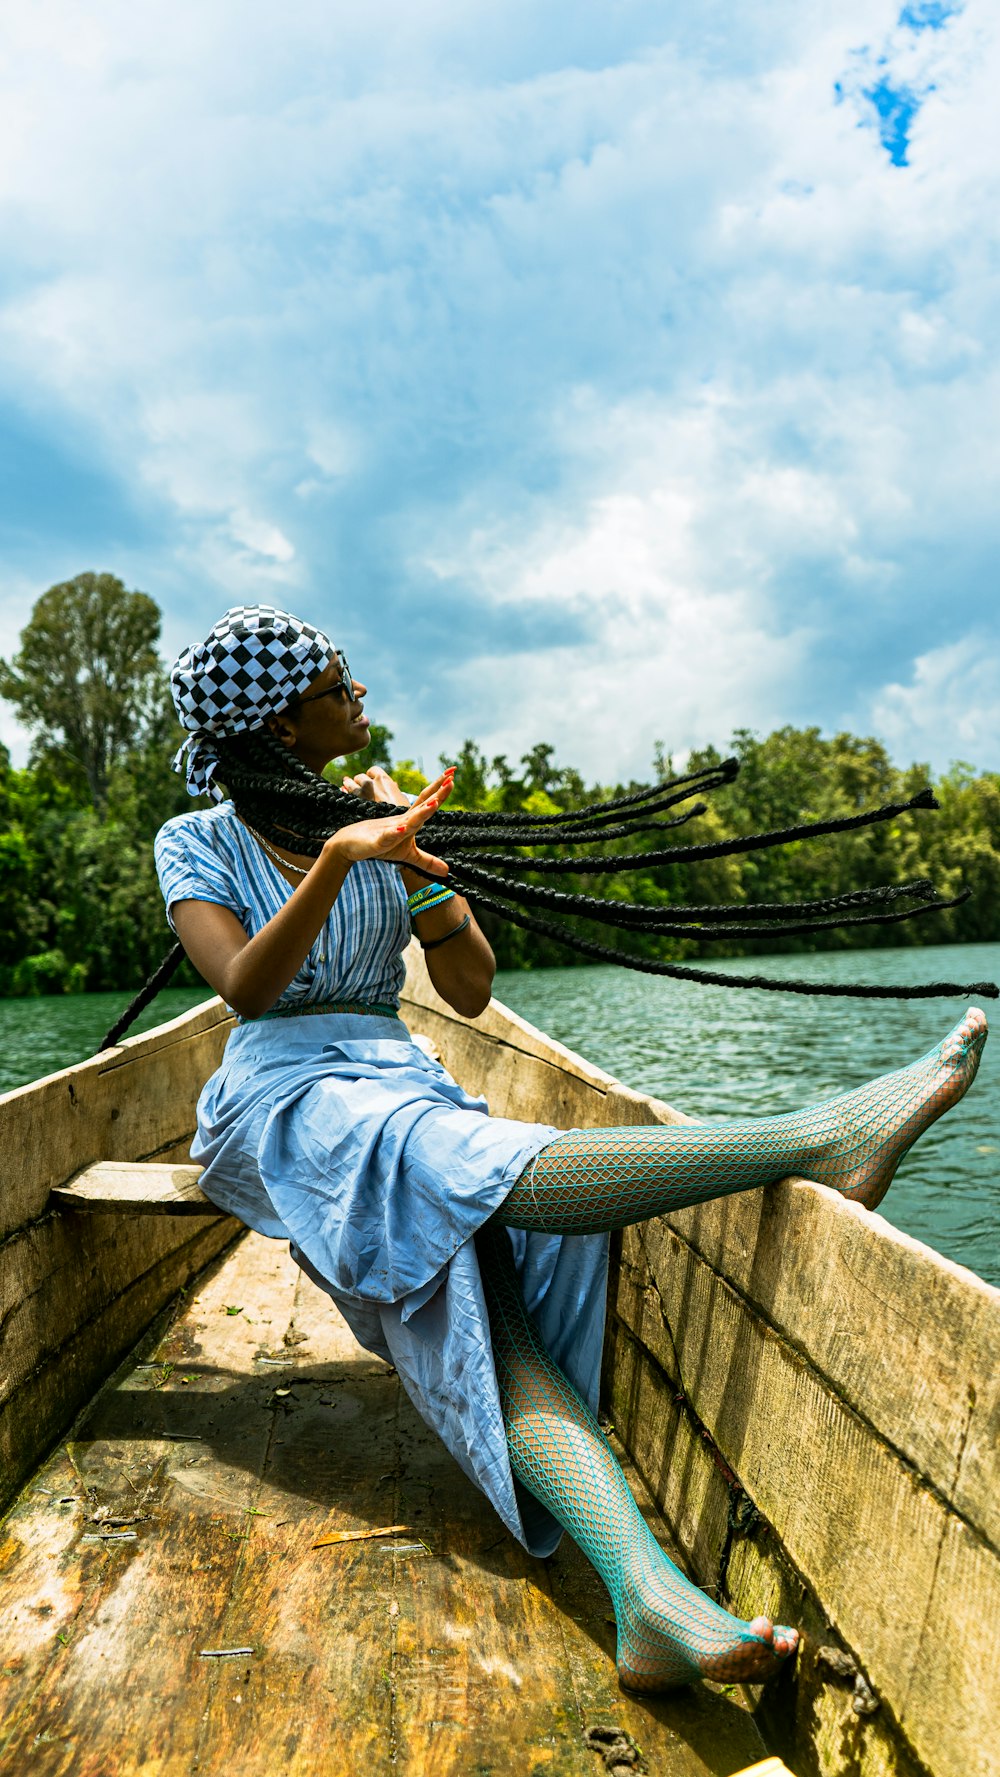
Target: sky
{"points": [[601, 374]]}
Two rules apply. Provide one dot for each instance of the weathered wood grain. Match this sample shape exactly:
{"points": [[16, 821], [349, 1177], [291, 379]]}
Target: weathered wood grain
{"points": [[47, 1296], [863, 1527], [68, 1370], [910, 1339], [127, 1104], [182, 1459], [75, 1295], [739, 1558], [252, 1426], [141, 1188]]}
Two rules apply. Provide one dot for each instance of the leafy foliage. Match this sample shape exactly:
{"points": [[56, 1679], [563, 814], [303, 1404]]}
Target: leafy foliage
{"points": [[82, 678], [79, 901]]}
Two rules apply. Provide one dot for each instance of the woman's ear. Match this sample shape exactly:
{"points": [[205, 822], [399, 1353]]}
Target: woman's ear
{"points": [[281, 729]]}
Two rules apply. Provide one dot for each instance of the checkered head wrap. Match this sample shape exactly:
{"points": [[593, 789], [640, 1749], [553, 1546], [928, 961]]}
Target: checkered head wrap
{"points": [[251, 666]]}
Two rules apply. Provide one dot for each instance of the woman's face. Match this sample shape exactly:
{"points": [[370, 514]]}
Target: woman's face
{"points": [[326, 723]]}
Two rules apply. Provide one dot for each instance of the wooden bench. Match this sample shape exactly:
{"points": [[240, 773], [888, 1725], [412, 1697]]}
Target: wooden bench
{"points": [[138, 1187]]}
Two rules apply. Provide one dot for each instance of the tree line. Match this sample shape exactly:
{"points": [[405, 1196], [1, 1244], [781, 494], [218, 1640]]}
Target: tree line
{"points": [[80, 907]]}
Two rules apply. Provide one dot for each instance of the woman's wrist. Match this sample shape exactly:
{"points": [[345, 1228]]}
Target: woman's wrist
{"points": [[415, 880], [335, 852]]}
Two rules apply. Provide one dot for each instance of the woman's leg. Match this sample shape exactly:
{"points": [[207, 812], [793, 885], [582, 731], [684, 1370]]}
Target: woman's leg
{"points": [[592, 1180], [669, 1633]]}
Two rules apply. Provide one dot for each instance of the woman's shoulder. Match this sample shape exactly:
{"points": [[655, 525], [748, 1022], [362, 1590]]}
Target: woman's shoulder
{"points": [[200, 829]]}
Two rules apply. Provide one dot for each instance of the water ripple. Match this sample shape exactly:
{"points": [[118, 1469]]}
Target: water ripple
{"points": [[716, 1053]]}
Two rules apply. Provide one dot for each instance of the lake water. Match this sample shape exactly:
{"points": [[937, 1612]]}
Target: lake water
{"points": [[711, 1051], [715, 1052]]}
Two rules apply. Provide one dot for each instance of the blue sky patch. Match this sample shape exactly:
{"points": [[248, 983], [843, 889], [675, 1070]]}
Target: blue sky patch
{"points": [[896, 107], [927, 15]]}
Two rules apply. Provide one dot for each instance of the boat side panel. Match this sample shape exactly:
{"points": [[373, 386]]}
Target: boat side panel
{"points": [[99, 1327], [813, 1400], [131, 1103], [809, 1713], [76, 1292], [907, 1338], [904, 1581]]}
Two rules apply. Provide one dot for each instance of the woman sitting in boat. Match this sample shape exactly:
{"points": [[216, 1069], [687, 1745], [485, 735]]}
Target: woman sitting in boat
{"points": [[469, 1251]]}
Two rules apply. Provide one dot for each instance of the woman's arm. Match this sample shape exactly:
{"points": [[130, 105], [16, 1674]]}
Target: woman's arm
{"points": [[462, 969], [252, 973]]}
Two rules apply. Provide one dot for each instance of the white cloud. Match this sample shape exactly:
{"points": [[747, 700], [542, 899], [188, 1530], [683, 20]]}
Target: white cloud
{"points": [[674, 632], [610, 319], [951, 706]]}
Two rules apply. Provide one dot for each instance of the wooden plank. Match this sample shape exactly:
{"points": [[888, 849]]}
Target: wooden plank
{"points": [[67, 1371], [130, 1103], [253, 1426], [317, 1696], [143, 1188], [41, 1591], [862, 1526], [47, 1297], [928, 1380], [184, 1459]]}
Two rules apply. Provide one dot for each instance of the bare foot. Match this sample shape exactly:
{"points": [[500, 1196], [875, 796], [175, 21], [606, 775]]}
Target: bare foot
{"points": [[861, 1138], [671, 1635]]}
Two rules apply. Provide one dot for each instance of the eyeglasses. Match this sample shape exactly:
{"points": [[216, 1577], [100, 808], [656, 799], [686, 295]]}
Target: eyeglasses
{"points": [[344, 685]]}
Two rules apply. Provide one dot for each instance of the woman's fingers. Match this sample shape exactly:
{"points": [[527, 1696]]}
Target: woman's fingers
{"points": [[440, 788], [427, 861], [393, 837]]}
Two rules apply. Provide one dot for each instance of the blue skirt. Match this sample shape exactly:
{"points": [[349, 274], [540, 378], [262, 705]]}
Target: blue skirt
{"points": [[338, 1133]]}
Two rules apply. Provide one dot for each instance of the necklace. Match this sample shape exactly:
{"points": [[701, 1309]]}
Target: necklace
{"points": [[276, 855]]}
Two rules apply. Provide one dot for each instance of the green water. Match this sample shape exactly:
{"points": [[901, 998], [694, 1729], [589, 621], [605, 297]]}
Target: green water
{"points": [[37, 1037], [710, 1051], [718, 1053]]}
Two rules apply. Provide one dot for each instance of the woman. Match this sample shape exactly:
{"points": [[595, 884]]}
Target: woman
{"points": [[470, 1251]]}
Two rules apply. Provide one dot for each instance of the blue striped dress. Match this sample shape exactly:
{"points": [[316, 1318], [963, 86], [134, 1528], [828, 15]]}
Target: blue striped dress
{"points": [[338, 1133]]}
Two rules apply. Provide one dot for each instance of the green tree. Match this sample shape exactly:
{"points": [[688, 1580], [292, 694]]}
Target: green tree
{"points": [[83, 676]]}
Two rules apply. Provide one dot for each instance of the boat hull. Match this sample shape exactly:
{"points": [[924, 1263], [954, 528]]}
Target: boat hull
{"points": [[811, 1398], [77, 1291]]}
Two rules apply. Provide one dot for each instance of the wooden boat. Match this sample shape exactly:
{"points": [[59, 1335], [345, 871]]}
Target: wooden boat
{"points": [[810, 1401]]}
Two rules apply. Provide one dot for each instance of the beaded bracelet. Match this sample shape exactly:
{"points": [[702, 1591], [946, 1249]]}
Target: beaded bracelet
{"points": [[422, 900]]}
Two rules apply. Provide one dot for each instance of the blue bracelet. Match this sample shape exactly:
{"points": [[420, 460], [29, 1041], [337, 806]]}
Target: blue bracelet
{"points": [[429, 906], [434, 895], [421, 894]]}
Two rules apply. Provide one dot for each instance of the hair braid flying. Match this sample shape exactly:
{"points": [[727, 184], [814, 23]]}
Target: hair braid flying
{"points": [[286, 802]]}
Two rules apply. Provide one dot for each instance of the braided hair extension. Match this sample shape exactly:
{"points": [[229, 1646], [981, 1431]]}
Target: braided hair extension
{"points": [[292, 806], [163, 973]]}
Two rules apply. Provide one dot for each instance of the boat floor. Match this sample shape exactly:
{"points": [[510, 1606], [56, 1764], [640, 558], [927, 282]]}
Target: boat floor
{"points": [[181, 1518]]}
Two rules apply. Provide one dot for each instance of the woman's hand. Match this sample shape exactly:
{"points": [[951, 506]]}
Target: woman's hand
{"points": [[375, 785], [392, 839]]}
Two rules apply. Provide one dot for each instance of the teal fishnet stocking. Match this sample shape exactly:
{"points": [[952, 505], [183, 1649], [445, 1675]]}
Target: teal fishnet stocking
{"points": [[591, 1180], [669, 1633]]}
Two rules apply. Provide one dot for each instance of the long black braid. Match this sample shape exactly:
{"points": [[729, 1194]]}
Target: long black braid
{"points": [[289, 805]]}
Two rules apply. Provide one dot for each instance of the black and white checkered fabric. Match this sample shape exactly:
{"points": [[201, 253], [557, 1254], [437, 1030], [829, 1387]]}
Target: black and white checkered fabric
{"points": [[250, 666]]}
